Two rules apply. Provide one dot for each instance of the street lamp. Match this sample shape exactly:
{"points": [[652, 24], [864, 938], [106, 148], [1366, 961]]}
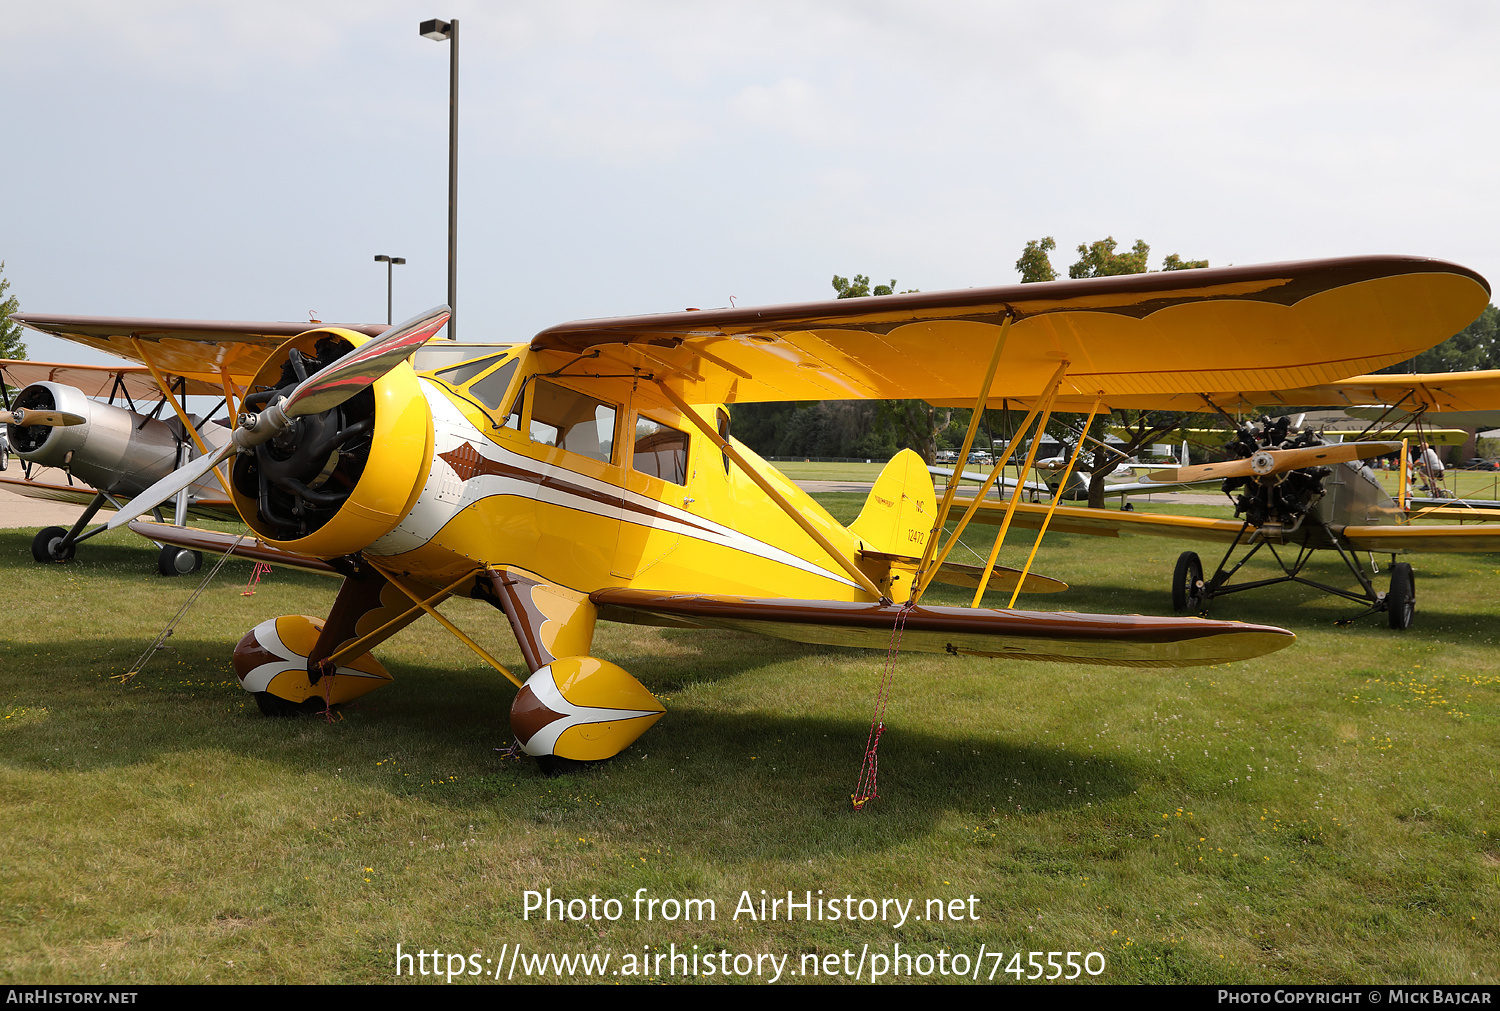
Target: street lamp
{"points": [[438, 31], [390, 262]]}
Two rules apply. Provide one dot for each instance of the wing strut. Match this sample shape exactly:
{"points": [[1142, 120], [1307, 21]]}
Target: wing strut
{"points": [[728, 450], [1036, 443], [984, 489], [426, 605], [1067, 473], [187, 425]]}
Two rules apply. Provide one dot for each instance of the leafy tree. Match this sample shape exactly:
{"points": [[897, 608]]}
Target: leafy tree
{"points": [[1099, 259], [1174, 262], [1034, 263], [860, 287], [10, 333]]}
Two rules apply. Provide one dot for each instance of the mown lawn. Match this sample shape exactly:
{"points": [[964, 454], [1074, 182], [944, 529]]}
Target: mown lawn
{"points": [[1323, 814]]}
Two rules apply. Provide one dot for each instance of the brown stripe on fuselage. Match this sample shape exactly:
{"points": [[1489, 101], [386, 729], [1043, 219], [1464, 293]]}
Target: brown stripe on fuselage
{"points": [[468, 463]]}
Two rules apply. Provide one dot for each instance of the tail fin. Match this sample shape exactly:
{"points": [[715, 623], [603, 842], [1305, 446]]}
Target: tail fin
{"points": [[897, 517]]}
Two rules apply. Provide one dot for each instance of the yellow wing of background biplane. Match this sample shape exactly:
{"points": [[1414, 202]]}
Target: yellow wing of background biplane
{"points": [[1475, 539], [178, 346], [1186, 333]]}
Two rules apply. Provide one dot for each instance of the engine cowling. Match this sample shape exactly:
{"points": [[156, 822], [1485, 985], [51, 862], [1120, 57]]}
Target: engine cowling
{"points": [[115, 450], [333, 483]]}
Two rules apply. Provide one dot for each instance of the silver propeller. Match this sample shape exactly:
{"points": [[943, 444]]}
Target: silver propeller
{"points": [[323, 390]]}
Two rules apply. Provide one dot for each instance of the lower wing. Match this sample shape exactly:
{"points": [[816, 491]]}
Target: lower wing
{"points": [[1057, 637]]}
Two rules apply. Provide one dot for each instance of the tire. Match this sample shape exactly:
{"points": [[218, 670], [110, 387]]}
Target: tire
{"points": [[1401, 600], [555, 765], [1187, 583], [44, 546], [175, 561], [279, 708]]}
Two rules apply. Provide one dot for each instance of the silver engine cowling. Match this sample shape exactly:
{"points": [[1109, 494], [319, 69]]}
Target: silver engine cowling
{"points": [[114, 450]]}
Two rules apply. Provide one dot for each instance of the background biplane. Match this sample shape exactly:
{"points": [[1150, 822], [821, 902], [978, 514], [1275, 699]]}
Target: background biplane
{"points": [[590, 473], [1295, 488]]}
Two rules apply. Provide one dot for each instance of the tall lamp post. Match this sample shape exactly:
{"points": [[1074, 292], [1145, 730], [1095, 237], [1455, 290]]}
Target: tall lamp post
{"points": [[390, 262], [438, 31]]}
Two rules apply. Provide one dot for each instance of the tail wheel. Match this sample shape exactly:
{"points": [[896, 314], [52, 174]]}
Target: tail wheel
{"points": [[47, 546], [1187, 583], [1401, 600], [175, 561]]}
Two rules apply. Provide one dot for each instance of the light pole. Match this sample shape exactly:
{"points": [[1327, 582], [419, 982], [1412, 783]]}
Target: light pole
{"points": [[390, 262], [438, 31]]}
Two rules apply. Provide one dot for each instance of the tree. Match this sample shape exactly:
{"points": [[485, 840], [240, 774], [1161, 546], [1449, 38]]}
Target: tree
{"points": [[10, 333], [1034, 263], [860, 287], [1099, 259], [1174, 262]]}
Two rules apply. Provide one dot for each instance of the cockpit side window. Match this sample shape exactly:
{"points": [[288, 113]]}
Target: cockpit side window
{"points": [[490, 391], [571, 421], [460, 374], [660, 451]]}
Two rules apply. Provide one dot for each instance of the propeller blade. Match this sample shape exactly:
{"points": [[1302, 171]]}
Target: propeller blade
{"points": [[52, 419], [1274, 461], [171, 485], [331, 386]]}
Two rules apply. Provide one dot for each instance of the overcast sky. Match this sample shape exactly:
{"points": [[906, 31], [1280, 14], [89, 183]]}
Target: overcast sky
{"points": [[239, 161]]}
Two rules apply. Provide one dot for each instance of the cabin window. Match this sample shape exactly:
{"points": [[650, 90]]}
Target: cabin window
{"points": [[460, 374], [660, 451], [490, 390], [571, 421]]}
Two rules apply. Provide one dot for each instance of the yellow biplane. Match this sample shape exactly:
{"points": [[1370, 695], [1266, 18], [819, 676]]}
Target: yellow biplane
{"points": [[591, 473]]}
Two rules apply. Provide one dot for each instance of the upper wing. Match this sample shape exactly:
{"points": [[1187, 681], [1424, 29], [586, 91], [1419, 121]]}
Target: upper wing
{"points": [[196, 349], [1193, 332], [1058, 637], [97, 380]]}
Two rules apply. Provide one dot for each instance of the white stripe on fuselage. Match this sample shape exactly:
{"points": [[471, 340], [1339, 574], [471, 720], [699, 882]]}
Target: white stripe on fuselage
{"points": [[445, 495]]}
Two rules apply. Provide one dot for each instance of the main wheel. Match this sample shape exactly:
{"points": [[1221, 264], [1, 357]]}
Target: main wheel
{"points": [[1401, 600], [46, 546], [175, 561], [1187, 583]]}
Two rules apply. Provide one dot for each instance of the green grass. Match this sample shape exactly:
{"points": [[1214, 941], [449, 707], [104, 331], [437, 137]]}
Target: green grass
{"points": [[1324, 814]]}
